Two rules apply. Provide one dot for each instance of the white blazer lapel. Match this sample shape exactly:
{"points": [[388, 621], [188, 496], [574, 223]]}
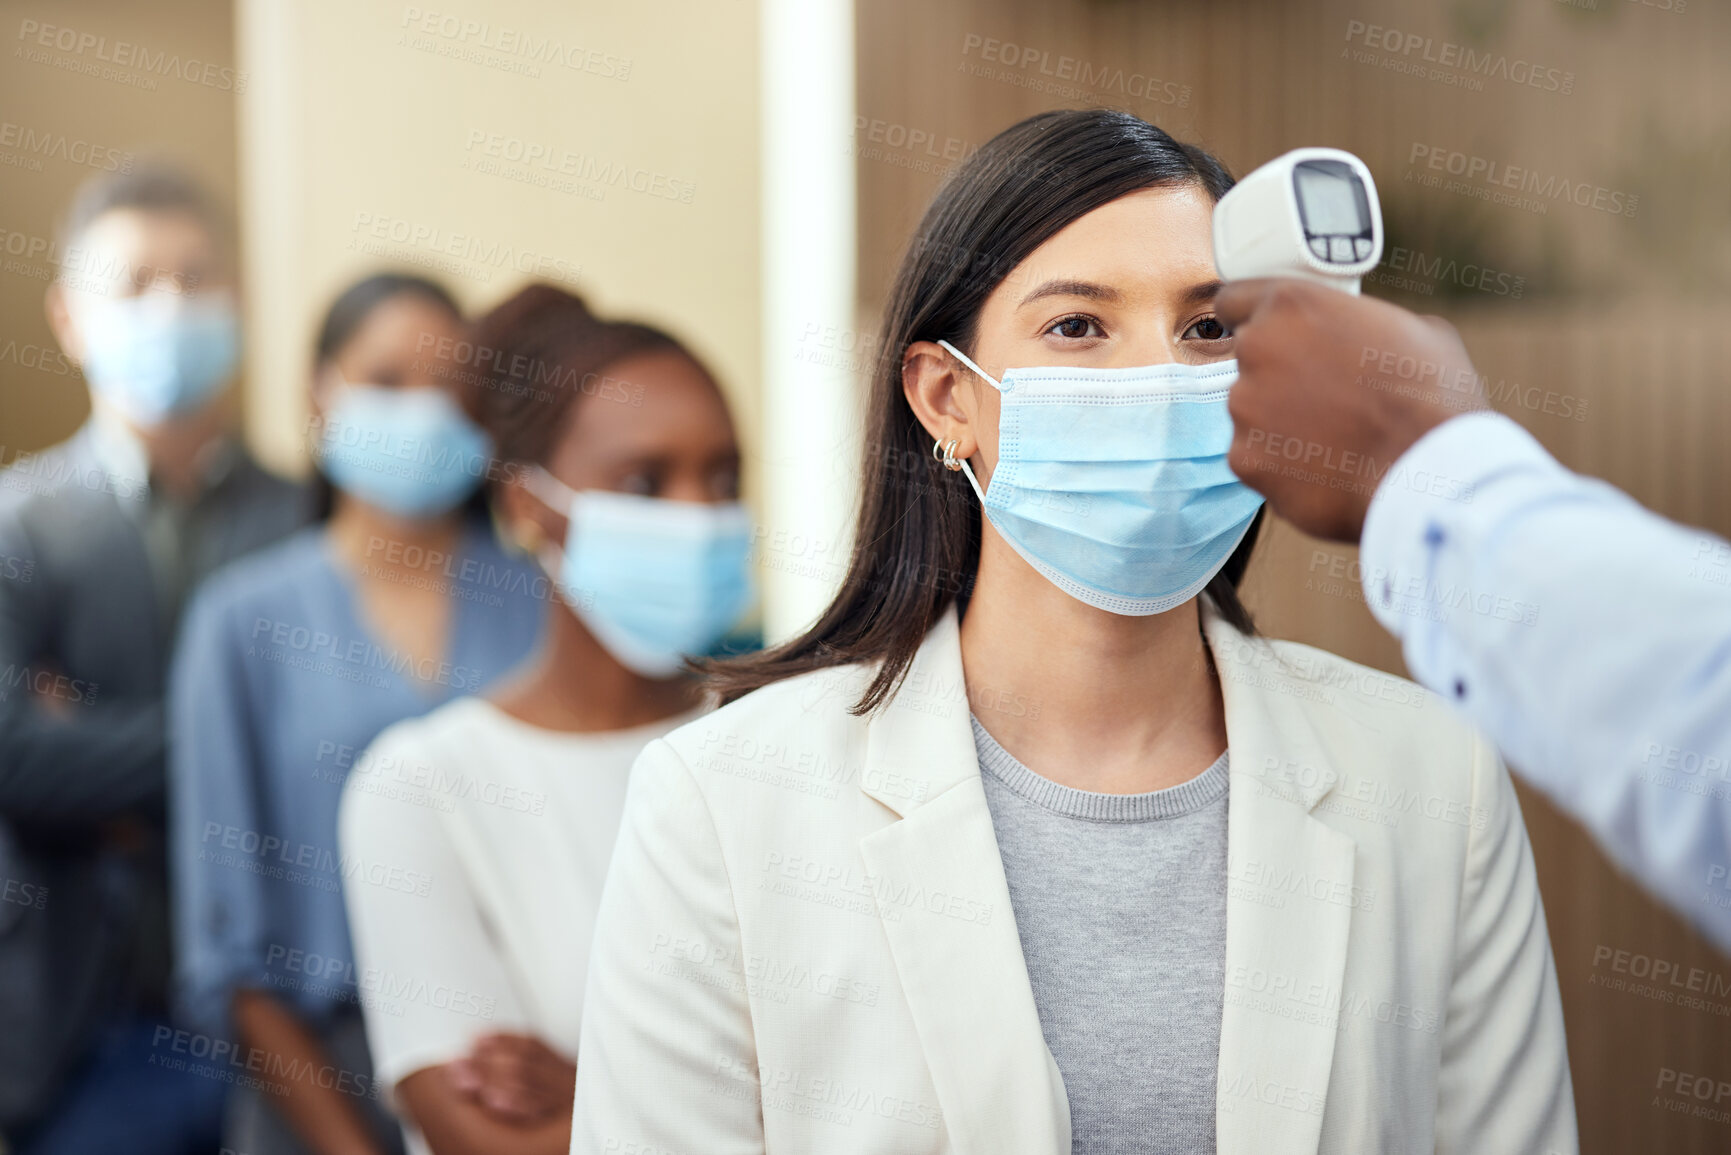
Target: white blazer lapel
{"points": [[1285, 946], [945, 906]]}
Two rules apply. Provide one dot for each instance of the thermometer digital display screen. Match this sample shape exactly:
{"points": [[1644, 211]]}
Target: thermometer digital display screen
{"points": [[1311, 213], [1331, 201]]}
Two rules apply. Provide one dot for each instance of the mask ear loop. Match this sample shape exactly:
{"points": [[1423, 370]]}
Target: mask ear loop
{"points": [[549, 490], [969, 362], [561, 499], [996, 384]]}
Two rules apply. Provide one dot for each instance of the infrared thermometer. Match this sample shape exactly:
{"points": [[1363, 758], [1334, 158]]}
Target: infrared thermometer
{"points": [[1312, 213]]}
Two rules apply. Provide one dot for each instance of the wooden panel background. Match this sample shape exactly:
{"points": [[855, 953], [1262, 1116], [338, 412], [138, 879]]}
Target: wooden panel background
{"points": [[1624, 313], [51, 116]]}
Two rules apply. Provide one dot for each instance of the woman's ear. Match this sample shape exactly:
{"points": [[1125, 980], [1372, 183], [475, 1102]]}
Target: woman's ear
{"points": [[59, 312], [941, 392], [322, 388], [527, 522]]}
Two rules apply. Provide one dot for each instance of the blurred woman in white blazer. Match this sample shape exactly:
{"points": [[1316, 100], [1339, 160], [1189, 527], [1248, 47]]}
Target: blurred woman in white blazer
{"points": [[1030, 843]]}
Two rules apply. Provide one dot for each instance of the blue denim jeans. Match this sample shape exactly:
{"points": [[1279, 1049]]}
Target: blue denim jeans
{"points": [[124, 1099]]}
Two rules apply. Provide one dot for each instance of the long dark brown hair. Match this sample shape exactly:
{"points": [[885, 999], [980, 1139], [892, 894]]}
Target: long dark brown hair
{"points": [[918, 541]]}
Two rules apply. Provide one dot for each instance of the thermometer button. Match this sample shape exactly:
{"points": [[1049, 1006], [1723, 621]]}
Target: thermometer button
{"points": [[1361, 247], [1319, 246], [1340, 250]]}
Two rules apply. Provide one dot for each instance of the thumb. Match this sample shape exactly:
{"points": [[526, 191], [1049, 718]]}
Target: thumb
{"points": [[1239, 301]]}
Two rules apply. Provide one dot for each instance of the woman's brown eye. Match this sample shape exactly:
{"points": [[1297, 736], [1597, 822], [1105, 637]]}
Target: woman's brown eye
{"points": [[1210, 329], [1072, 327], [640, 483]]}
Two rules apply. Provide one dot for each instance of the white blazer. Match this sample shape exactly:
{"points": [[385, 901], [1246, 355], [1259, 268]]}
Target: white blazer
{"points": [[806, 944]]}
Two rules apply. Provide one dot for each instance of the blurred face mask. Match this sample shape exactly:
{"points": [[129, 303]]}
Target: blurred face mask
{"points": [[654, 580], [410, 452], [157, 355], [1113, 483]]}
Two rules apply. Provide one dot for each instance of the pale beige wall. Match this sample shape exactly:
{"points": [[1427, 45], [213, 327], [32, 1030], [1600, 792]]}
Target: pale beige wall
{"points": [[116, 81], [360, 114]]}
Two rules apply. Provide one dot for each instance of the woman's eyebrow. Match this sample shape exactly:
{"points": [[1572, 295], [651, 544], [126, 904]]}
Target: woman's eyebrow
{"points": [[1202, 292], [1088, 289], [1199, 293]]}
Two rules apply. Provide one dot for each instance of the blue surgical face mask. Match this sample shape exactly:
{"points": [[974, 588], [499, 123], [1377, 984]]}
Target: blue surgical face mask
{"points": [[653, 580], [158, 356], [1113, 483], [411, 452]]}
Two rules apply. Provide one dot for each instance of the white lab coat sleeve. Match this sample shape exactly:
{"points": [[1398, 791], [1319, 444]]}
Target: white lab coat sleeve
{"points": [[667, 1061], [1504, 1082], [1589, 637]]}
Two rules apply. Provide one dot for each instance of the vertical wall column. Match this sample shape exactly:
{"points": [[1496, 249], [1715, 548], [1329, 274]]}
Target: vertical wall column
{"points": [[810, 396], [273, 226]]}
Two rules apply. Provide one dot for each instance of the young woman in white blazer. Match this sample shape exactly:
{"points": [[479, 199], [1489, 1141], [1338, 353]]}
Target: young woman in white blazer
{"points": [[1030, 843]]}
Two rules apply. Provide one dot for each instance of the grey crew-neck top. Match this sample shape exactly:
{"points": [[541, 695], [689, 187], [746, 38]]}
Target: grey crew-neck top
{"points": [[1120, 903]]}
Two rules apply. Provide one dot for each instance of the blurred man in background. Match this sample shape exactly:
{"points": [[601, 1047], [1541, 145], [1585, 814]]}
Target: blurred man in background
{"points": [[101, 539]]}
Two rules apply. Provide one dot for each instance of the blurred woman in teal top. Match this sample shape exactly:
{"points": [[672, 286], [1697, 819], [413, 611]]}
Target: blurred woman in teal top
{"points": [[290, 662]]}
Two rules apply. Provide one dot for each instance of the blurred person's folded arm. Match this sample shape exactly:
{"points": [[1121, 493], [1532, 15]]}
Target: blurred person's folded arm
{"points": [[217, 833], [73, 758], [215, 829], [306, 1082], [454, 1122], [1503, 1084], [1588, 636], [470, 1089], [665, 1063]]}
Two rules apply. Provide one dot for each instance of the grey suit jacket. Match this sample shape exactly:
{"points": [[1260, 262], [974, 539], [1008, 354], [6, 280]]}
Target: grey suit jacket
{"points": [[85, 639]]}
